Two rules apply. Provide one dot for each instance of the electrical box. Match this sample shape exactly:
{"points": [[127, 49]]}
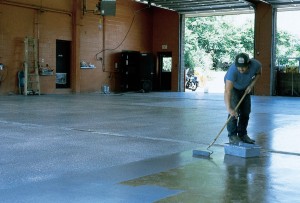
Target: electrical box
{"points": [[108, 7]]}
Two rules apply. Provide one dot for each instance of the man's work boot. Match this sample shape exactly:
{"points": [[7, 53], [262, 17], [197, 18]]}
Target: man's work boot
{"points": [[247, 139], [234, 139]]}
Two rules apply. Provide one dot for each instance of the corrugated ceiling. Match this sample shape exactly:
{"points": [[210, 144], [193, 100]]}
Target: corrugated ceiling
{"points": [[218, 6]]}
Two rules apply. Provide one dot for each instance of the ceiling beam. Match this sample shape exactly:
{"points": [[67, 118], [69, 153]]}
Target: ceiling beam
{"points": [[185, 6]]}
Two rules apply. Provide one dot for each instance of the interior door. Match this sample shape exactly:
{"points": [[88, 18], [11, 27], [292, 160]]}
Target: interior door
{"points": [[165, 70], [63, 63]]}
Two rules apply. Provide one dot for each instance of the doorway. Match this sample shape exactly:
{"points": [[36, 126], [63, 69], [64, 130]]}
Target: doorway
{"points": [[63, 63], [209, 58], [286, 74], [165, 70]]}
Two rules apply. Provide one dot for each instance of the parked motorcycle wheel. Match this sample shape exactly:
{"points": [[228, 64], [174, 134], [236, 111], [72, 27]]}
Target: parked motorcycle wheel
{"points": [[194, 87]]}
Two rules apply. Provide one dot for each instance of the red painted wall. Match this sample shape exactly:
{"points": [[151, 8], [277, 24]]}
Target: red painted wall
{"points": [[166, 32]]}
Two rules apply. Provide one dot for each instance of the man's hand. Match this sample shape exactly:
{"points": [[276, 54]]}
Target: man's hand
{"points": [[227, 98], [233, 113]]}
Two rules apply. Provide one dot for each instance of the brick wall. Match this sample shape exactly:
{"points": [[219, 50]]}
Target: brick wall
{"points": [[25, 18], [49, 20]]}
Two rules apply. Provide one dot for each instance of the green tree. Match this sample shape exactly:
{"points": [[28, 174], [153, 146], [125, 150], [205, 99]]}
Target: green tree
{"points": [[287, 46], [218, 38]]}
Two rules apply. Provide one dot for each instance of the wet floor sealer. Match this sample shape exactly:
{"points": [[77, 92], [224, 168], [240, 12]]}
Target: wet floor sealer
{"points": [[242, 150]]}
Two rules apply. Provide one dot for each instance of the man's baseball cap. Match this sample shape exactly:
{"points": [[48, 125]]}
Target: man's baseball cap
{"points": [[242, 60]]}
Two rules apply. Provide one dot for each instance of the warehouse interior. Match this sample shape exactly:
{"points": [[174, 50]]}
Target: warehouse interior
{"points": [[87, 134], [79, 49]]}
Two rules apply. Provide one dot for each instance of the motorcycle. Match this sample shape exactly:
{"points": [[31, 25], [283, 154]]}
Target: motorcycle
{"points": [[192, 82]]}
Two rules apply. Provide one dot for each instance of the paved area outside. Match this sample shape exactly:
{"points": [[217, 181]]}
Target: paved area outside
{"points": [[212, 82], [136, 147]]}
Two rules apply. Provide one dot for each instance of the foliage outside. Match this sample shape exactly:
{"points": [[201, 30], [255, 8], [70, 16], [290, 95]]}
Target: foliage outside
{"points": [[211, 43]]}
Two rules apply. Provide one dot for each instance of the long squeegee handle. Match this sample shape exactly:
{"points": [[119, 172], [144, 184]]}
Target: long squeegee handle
{"points": [[235, 109]]}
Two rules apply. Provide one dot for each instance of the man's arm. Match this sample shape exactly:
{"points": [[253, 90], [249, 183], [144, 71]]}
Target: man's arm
{"points": [[257, 76], [227, 98]]}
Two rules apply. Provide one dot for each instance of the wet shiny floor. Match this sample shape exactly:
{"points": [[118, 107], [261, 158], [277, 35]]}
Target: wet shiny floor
{"points": [[136, 147]]}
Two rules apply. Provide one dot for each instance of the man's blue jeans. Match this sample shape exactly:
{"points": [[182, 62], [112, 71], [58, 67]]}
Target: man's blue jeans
{"points": [[238, 126]]}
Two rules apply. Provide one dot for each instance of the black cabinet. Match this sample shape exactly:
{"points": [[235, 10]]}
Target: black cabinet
{"points": [[129, 70], [136, 71]]}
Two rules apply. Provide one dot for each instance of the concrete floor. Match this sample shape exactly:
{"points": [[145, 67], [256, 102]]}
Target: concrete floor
{"points": [[137, 147]]}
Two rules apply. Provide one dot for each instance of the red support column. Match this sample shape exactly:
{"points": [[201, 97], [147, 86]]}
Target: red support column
{"points": [[263, 47]]}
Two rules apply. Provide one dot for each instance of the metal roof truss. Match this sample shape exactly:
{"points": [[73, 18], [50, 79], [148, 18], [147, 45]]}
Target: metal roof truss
{"points": [[205, 6]]}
